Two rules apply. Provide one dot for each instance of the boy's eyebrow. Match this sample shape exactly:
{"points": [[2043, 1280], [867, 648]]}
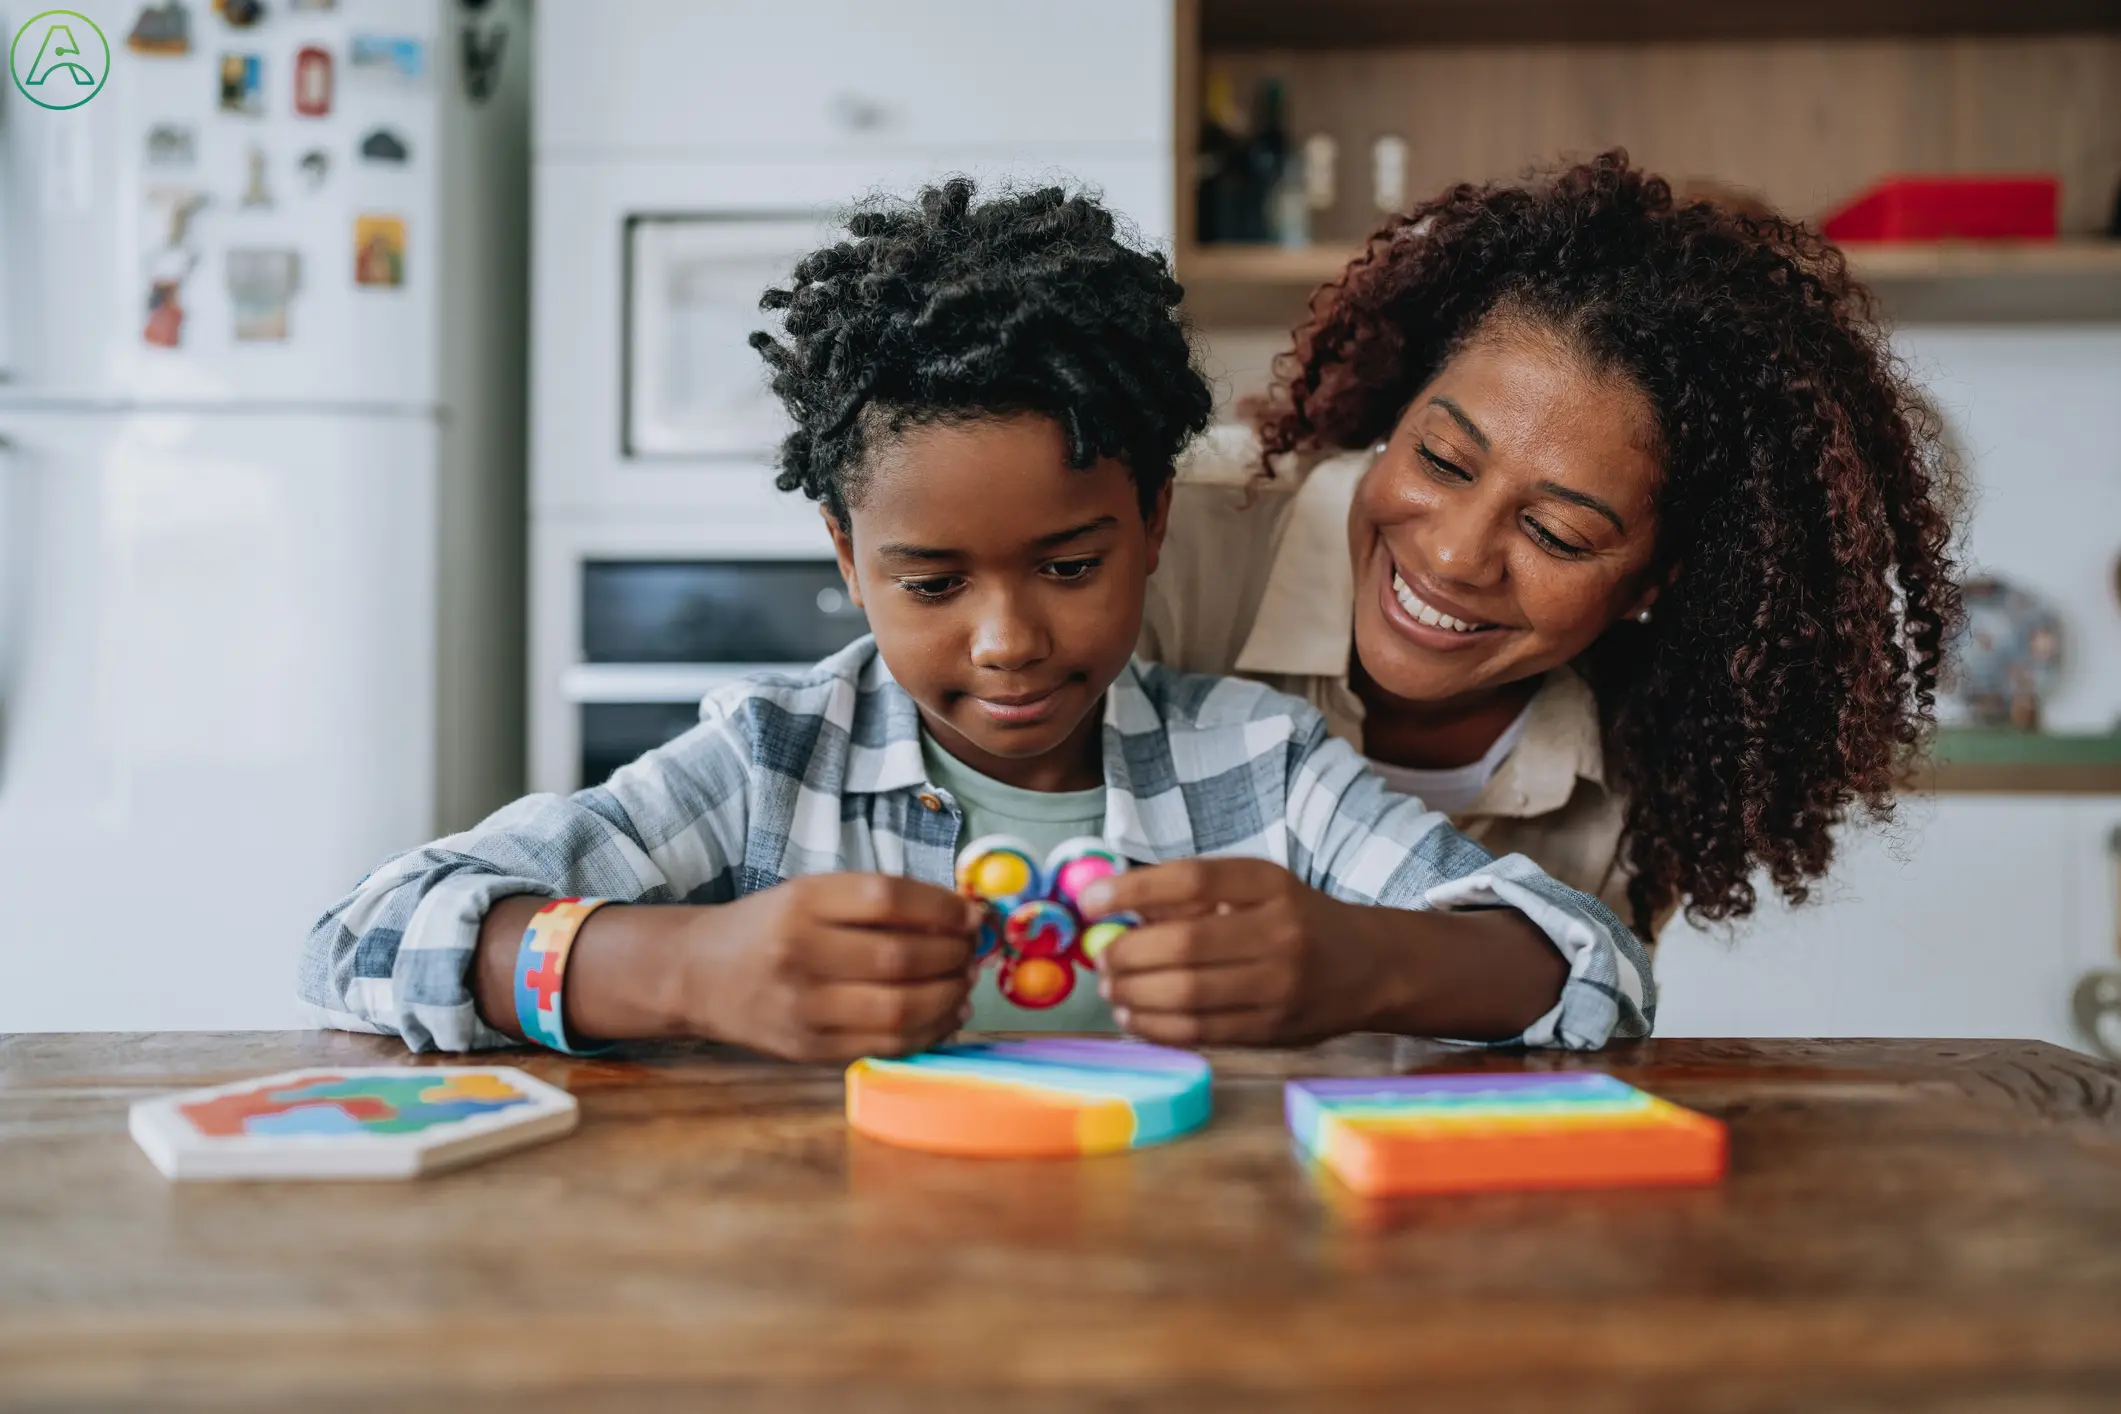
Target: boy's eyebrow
{"points": [[897, 550], [1458, 415], [1062, 537]]}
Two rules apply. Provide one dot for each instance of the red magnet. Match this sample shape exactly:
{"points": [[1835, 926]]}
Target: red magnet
{"points": [[313, 81]]}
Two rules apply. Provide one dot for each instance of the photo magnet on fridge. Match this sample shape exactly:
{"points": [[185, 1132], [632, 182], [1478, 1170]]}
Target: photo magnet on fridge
{"points": [[313, 81], [261, 284], [394, 61], [241, 14], [243, 84], [384, 145], [379, 252], [171, 145], [162, 31], [257, 196]]}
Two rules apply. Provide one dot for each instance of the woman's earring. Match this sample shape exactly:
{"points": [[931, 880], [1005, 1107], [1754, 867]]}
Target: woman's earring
{"points": [[1642, 616], [1378, 450]]}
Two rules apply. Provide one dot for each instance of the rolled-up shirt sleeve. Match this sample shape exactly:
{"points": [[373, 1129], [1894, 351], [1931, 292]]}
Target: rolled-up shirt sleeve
{"points": [[395, 955], [1353, 838]]}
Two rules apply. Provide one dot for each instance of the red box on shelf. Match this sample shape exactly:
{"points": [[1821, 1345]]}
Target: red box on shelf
{"points": [[1977, 208]]}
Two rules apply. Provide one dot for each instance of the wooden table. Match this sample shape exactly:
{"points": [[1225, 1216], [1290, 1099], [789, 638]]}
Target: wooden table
{"points": [[1907, 1225]]}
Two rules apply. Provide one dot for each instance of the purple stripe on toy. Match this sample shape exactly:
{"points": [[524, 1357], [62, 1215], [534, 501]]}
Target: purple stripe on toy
{"points": [[1108, 1055], [1458, 1083]]}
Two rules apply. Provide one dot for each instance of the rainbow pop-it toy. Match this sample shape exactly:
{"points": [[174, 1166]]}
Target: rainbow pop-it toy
{"points": [[1407, 1134], [1030, 1099]]}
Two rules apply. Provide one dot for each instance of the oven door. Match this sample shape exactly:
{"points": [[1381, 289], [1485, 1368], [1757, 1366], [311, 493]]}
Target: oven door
{"points": [[659, 635]]}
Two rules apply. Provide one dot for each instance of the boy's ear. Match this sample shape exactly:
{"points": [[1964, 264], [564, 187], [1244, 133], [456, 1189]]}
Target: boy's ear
{"points": [[843, 551], [1159, 522]]}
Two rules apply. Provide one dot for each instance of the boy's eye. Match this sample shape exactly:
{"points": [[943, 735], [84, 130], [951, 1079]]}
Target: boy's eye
{"points": [[1069, 570], [933, 587]]}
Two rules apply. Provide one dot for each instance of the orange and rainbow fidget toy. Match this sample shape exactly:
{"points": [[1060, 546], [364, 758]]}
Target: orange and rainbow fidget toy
{"points": [[1403, 1134], [1035, 923]]}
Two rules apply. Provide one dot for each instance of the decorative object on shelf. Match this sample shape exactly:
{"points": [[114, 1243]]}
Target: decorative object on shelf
{"points": [[1388, 174], [1035, 925], [356, 1122], [161, 31], [2096, 1001], [1422, 1134], [1059, 1098], [2006, 657], [1938, 208]]}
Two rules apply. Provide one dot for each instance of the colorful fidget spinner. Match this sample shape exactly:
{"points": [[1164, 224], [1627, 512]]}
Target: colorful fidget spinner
{"points": [[1034, 922]]}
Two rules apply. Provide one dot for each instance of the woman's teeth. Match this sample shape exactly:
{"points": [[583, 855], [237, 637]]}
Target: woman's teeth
{"points": [[1428, 613]]}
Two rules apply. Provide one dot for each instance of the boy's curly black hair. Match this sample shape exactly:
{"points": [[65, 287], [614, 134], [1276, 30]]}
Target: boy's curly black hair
{"points": [[1793, 660], [945, 308]]}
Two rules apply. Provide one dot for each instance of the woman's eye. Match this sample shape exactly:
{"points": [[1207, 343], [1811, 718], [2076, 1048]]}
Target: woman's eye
{"points": [[1441, 465], [934, 587], [1552, 541], [1069, 570]]}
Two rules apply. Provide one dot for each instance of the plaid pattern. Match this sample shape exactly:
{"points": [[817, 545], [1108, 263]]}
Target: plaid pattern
{"points": [[813, 772]]}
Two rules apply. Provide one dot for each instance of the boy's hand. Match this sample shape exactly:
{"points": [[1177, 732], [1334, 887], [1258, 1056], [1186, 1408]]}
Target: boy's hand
{"points": [[835, 966], [1234, 952]]}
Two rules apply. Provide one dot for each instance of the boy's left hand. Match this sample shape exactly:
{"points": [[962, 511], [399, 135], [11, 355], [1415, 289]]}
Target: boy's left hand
{"points": [[1236, 952]]}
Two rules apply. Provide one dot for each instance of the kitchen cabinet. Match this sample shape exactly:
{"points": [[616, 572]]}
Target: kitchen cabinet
{"points": [[1969, 916]]}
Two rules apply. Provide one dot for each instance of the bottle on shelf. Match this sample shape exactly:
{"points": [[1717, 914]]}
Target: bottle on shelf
{"points": [[1267, 166], [1219, 177]]}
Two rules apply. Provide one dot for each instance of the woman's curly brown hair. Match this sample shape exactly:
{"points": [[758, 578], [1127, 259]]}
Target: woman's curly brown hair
{"points": [[1792, 663]]}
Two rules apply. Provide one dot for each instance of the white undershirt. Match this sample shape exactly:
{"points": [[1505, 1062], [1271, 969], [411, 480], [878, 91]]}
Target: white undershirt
{"points": [[1453, 788]]}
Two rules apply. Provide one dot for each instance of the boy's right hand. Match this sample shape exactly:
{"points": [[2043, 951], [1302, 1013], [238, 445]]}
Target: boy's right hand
{"points": [[830, 967]]}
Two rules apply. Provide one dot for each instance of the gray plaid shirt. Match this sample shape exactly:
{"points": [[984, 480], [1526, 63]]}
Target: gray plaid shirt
{"points": [[821, 771]]}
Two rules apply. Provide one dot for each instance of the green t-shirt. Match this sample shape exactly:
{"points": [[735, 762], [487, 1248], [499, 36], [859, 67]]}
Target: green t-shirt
{"points": [[1044, 819]]}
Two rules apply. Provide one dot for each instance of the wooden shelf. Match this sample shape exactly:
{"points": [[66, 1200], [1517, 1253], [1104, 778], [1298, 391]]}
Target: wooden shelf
{"points": [[2074, 279], [1277, 24]]}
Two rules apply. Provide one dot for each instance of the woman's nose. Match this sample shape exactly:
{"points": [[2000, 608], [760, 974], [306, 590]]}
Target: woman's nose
{"points": [[1462, 542], [1008, 634]]}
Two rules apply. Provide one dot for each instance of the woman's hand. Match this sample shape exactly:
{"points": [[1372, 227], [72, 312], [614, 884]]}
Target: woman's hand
{"points": [[1237, 952]]}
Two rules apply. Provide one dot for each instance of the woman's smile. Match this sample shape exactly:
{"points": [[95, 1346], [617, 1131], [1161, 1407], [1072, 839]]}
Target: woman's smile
{"points": [[1427, 618]]}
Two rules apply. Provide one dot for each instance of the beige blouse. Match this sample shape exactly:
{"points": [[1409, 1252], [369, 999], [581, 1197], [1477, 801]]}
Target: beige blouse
{"points": [[1255, 580]]}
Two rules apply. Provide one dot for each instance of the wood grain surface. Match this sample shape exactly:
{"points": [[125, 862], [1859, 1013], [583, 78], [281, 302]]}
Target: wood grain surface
{"points": [[1907, 1226]]}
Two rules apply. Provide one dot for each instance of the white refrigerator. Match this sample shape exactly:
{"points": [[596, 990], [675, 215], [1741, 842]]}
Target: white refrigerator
{"points": [[262, 335]]}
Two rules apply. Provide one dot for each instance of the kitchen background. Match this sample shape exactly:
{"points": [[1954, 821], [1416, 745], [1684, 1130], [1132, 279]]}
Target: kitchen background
{"points": [[378, 437]]}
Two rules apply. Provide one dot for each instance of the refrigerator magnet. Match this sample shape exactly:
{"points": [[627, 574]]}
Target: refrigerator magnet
{"points": [[386, 61], [315, 166], [261, 284], [171, 145], [243, 84], [316, 6], [384, 145], [165, 314], [257, 196], [313, 81], [241, 14], [161, 31], [379, 252]]}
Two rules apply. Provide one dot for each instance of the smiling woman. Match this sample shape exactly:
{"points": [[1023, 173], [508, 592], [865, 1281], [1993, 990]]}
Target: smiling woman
{"points": [[1603, 523]]}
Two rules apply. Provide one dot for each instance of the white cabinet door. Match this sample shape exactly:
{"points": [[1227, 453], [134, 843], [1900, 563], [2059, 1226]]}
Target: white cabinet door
{"points": [[220, 658], [661, 78], [1971, 918]]}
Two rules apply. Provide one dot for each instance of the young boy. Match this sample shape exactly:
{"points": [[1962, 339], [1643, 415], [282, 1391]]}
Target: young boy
{"points": [[988, 399]]}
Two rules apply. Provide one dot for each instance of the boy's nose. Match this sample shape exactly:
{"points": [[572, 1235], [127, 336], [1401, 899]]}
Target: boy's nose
{"points": [[1007, 636]]}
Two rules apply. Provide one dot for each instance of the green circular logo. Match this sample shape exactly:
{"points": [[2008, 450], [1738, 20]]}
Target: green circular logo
{"points": [[59, 59]]}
